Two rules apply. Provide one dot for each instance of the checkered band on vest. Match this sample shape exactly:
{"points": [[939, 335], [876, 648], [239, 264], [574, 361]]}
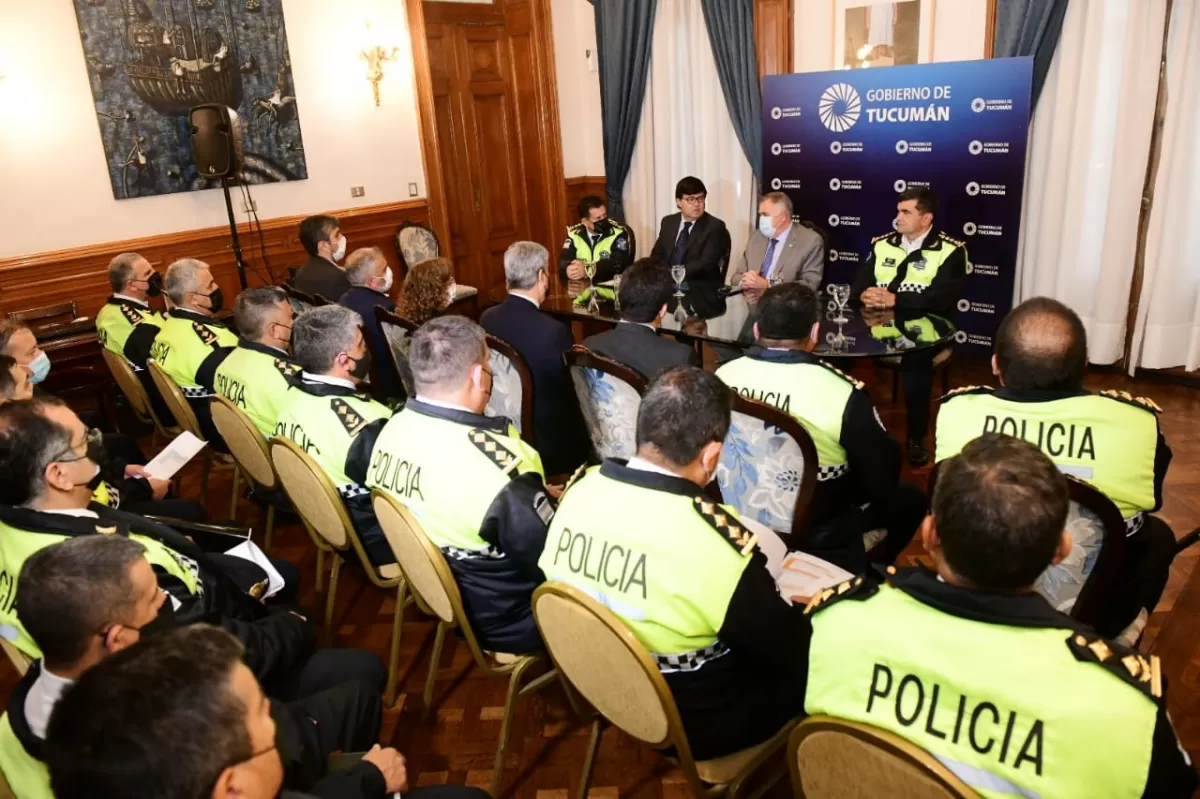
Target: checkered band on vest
{"points": [[352, 490], [1134, 523], [916, 287], [194, 392], [832, 472], [457, 553], [690, 661]]}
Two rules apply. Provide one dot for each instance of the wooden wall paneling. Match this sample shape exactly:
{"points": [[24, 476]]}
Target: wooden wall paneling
{"points": [[427, 127], [81, 274], [989, 34], [773, 36], [577, 189]]}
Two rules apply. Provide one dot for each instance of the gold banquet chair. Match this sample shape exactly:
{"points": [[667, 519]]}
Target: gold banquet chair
{"points": [[433, 582], [135, 392], [185, 417], [602, 659], [324, 514], [249, 449], [831, 758], [20, 661]]}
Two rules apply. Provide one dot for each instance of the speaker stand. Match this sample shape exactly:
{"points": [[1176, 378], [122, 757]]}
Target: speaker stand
{"points": [[233, 232]]}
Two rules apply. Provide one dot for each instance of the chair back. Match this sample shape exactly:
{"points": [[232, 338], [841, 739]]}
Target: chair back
{"points": [[245, 441], [1079, 584], [172, 395], [512, 387], [609, 395], [45, 315], [416, 243], [129, 384], [422, 562], [833, 758], [301, 301], [398, 332], [312, 494], [602, 659], [768, 468], [20, 661]]}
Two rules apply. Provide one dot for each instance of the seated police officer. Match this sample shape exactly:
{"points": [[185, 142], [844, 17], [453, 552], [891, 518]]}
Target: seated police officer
{"points": [[191, 335], [127, 325], [596, 238], [49, 466], [178, 717], [476, 487], [256, 374], [917, 268], [334, 421], [1111, 439], [858, 482], [970, 664], [70, 590]]}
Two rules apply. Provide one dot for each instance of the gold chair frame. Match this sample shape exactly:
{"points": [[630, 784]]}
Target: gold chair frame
{"points": [[237, 429], [135, 392]]}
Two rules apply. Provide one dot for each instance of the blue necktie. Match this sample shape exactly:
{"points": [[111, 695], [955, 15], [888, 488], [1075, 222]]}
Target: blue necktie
{"points": [[769, 261], [681, 243]]}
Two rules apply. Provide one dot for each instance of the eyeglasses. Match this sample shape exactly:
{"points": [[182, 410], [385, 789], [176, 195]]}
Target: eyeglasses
{"points": [[92, 439], [694, 199]]}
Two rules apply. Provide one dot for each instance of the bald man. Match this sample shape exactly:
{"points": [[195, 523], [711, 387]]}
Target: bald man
{"points": [[1111, 440]]}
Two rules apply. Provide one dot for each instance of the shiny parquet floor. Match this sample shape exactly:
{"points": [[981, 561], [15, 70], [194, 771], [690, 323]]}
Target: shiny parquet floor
{"points": [[547, 746]]}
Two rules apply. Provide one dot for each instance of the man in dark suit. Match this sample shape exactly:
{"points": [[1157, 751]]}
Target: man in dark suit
{"points": [[323, 240], [541, 340], [646, 289], [692, 237], [371, 279]]}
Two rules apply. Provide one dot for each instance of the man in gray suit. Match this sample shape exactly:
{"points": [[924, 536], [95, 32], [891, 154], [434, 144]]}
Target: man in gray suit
{"points": [[779, 251]]}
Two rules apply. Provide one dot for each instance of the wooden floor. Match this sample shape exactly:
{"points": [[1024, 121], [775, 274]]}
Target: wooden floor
{"points": [[547, 747]]}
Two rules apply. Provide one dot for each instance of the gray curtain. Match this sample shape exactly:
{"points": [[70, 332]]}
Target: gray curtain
{"points": [[1030, 27], [623, 32], [730, 26]]}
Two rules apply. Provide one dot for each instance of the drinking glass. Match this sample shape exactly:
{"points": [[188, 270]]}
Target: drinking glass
{"points": [[678, 273], [589, 269], [840, 292]]}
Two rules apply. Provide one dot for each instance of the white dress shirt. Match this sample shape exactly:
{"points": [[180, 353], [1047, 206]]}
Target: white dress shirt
{"points": [[134, 300], [526, 297], [643, 465], [331, 381], [912, 246], [43, 695], [439, 404]]}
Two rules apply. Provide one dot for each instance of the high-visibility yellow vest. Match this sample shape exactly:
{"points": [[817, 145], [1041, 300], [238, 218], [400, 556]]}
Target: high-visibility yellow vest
{"points": [[184, 342], [257, 379], [584, 250], [27, 776], [117, 321], [920, 271]]}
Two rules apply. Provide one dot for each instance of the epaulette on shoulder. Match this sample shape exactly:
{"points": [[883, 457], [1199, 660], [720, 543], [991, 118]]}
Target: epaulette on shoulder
{"points": [[575, 478], [1145, 403], [351, 419], [958, 392], [1143, 672], [499, 454], [852, 381], [859, 588], [288, 369], [884, 236], [728, 526], [955, 242], [206, 335], [131, 314]]}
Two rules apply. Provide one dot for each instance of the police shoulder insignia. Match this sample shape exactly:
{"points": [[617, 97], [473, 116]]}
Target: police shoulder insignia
{"points": [[966, 390], [351, 419], [955, 242], [580, 472], [856, 383], [131, 314], [1143, 672], [1142, 402], [496, 452], [206, 335], [728, 526], [287, 368], [858, 588], [881, 238]]}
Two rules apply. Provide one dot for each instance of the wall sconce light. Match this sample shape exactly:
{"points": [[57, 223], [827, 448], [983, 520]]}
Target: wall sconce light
{"points": [[375, 56]]}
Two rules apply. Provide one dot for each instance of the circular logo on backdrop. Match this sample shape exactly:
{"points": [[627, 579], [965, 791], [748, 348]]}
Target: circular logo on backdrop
{"points": [[776, 183], [839, 107], [964, 305], [834, 220], [899, 186], [835, 147], [776, 113], [972, 188], [977, 105], [776, 148], [960, 337], [969, 229], [975, 147], [833, 256], [834, 184], [902, 147]]}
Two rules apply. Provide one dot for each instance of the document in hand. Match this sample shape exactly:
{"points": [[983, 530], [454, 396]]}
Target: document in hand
{"points": [[804, 575], [175, 456], [248, 550]]}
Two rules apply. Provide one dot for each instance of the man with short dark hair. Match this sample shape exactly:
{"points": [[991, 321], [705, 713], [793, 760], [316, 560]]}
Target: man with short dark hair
{"points": [[645, 292], [598, 239], [917, 268], [371, 280], [477, 488], [969, 664], [257, 374], [127, 325], [331, 418], [693, 237], [1109, 439], [779, 251], [683, 571], [321, 236], [858, 479]]}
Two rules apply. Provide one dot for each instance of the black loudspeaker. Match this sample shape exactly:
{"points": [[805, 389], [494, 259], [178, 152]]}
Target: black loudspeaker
{"points": [[216, 136]]}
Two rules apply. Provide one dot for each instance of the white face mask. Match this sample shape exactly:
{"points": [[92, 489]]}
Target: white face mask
{"points": [[766, 226], [340, 252], [387, 281], [451, 293]]}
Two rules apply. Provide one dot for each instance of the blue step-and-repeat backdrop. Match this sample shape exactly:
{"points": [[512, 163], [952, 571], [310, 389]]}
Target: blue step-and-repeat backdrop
{"points": [[843, 144]]}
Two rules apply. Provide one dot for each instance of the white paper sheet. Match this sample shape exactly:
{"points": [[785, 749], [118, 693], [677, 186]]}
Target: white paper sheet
{"points": [[175, 456], [804, 575], [248, 550]]}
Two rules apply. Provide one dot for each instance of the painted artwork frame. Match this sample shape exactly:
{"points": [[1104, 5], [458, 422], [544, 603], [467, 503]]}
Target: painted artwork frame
{"points": [[909, 40]]}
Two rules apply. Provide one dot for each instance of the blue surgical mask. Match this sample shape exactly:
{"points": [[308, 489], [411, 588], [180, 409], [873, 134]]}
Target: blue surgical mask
{"points": [[39, 368], [765, 226]]}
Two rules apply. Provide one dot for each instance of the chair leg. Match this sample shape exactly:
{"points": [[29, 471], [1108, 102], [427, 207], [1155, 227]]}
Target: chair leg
{"points": [[585, 779], [270, 527], [438, 639], [895, 386], [389, 696], [233, 499], [514, 688], [320, 569], [331, 599], [204, 477]]}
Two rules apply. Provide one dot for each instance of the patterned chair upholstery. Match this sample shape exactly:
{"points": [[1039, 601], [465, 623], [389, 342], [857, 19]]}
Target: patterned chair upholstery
{"points": [[609, 396], [416, 243], [1060, 584], [398, 332], [512, 387]]}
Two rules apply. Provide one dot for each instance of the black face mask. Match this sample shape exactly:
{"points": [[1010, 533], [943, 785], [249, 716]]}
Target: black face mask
{"points": [[154, 285], [362, 367], [165, 620], [97, 454], [603, 227], [216, 300]]}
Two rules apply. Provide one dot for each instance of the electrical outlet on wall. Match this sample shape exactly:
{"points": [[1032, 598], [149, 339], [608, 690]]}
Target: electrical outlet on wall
{"points": [[412, 189], [358, 191]]}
